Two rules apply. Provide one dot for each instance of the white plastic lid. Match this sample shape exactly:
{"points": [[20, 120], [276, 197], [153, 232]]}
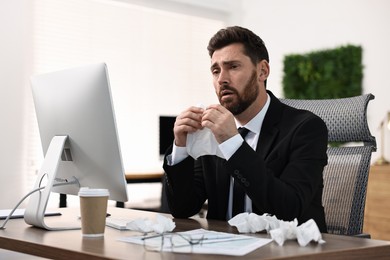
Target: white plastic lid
{"points": [[87, 192]]}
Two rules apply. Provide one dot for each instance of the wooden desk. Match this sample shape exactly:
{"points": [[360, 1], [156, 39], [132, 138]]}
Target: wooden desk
{"points": [[143, 177], [20, 237], [377, 210]]}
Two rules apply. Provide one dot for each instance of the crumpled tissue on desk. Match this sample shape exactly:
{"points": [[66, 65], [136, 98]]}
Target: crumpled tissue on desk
{"points": [[144, 225], [279, 230]]}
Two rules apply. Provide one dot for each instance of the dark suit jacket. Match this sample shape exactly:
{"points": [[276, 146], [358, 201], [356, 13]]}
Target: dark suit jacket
{"points": [[283, 177]]}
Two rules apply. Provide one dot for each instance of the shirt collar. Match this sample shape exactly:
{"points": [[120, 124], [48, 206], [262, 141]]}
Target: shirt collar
{"points": [[254, 125]]}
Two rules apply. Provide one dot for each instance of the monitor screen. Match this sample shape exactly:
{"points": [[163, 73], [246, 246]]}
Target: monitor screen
{"points": [[76, 119]]}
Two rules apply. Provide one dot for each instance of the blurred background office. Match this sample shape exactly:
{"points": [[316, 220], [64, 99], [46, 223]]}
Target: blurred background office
{"points": [[158, 64]]}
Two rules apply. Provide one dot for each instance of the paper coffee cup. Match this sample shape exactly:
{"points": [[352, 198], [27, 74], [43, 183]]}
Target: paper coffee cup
{"points": [[93, 210]]}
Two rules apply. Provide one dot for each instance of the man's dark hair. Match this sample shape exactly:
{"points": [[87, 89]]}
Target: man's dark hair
{"points": [[254, 46]]}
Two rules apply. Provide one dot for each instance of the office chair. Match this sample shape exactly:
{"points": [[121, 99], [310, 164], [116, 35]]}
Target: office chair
{"points": [[346, 175]]}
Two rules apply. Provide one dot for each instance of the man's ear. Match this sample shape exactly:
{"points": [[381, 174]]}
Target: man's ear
{"points": [[263, 70]]}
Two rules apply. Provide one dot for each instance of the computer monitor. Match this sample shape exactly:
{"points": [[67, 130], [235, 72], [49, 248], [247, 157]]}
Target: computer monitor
{"points": [[79, 137]]}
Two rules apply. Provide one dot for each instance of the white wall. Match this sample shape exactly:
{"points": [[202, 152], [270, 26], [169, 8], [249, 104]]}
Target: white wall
{"points": [[305, 25], [16, 54], [14, 66], [286, 27]]}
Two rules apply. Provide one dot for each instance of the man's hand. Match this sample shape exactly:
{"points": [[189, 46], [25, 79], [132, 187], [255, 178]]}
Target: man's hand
{"points": [[220, 121], [188, 121]]}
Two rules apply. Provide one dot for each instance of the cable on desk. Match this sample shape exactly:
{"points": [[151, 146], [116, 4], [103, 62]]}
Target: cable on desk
{"points": [[75, 181]]}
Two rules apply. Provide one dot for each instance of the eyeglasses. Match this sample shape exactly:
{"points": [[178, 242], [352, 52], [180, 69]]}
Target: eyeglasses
{"points": [[183, 243], [174, 242]]}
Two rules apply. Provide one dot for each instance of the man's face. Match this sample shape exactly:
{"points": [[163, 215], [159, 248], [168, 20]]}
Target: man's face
{"points": [[234, 78]]}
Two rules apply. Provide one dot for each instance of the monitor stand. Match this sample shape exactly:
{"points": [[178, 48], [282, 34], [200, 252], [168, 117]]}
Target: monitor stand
{"points": [[35, 210]]}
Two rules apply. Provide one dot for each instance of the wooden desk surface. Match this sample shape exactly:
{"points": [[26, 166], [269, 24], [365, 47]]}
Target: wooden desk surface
{"points": [[20, 237], [143, 177], [377, 210]]}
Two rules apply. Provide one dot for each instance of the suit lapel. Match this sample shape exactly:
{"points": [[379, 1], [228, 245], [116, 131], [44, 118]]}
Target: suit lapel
{"points": [[265, 142], [270, 129]]}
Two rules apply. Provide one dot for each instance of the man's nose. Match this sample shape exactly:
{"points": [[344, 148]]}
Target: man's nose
{"points": [[223, 78]]}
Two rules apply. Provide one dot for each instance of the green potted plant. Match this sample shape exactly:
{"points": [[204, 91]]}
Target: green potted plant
{"points": [[332, 73]]}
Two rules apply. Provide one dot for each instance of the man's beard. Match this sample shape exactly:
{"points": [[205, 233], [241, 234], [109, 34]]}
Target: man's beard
{"points": [[238, 105]]}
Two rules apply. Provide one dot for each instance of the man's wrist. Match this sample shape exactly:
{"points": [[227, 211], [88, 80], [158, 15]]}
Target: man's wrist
{"points": [[230, 146], [179, 153]]}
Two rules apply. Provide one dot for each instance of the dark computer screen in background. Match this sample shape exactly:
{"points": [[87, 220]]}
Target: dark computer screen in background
{"points": [[166, 137]]}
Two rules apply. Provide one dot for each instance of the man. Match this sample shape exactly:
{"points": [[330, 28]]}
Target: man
{"points": [[278, 164]]}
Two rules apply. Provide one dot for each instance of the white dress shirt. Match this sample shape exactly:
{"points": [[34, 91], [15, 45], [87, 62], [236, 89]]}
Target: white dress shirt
{"points": [[228, 148]]}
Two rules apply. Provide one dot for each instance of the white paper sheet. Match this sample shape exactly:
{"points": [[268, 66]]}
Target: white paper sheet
{"points": [[212, 243]]}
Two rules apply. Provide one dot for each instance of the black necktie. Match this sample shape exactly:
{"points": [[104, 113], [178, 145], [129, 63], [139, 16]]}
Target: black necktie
{"points": [[238, 191], [243, 131]]}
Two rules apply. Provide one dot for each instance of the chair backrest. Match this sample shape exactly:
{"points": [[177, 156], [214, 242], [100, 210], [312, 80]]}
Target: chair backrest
{"points": [[346, 175]]}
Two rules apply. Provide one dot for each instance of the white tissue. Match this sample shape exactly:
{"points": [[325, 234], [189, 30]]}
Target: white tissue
{"points": [[252, 223], [285, 231], [202, 142], [279, 230], [307, 232], [141, 225], [144, 225]]}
